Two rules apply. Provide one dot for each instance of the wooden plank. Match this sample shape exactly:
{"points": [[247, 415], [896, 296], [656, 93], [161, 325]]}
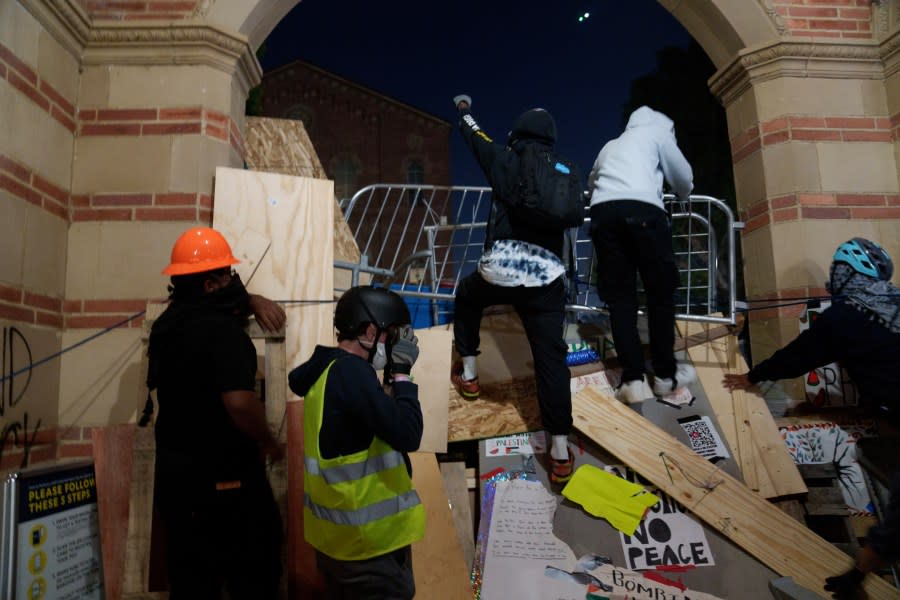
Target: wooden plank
{"points": [[775, 461], [304, 579], [723, 502], [438, 564], [431, 373], [454, 476], [276, 415], [703, 336], [776, 472], [747, 455], [113, 466], [140, 513], [709, 374]]}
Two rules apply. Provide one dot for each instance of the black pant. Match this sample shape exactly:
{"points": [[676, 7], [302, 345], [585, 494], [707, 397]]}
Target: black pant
{"points": [[633, 237], [227, 538], [385, 577], [542, 311]]}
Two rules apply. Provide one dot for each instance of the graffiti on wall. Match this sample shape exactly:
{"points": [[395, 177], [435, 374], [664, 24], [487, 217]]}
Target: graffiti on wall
{"points": [[15, 351]]}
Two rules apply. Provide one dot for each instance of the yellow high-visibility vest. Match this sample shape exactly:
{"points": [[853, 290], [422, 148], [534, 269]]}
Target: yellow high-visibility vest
{"points": [[360, 505]]}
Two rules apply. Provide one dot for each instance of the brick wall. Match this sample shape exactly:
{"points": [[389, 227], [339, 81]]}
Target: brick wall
{"points": [[130, 10], [27, 184], [45, 446], [350, 120], [848, 19], [817, 204], [17, 304]]}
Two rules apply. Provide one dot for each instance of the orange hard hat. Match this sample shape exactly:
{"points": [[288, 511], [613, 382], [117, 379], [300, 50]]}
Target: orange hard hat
{"points": [[200, 249]]}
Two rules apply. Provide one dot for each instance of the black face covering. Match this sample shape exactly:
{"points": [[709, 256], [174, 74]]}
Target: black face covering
{"points": [[232, 298]]}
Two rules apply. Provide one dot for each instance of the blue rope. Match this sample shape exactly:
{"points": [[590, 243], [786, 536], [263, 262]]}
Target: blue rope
{"points": [[72, 347], [581, 355]]}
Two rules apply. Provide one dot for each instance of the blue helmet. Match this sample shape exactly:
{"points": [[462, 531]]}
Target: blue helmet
{"points": [[865, 257]]}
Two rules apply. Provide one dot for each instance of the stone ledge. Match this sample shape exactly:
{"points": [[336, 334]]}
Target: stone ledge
{"points": [[148, 42]]}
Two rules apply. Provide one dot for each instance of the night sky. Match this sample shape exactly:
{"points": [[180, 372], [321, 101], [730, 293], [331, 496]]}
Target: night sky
{"points": [[508, 55]]}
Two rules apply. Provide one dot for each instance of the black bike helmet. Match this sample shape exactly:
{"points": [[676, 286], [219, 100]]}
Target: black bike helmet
{"points": [[363, 304], [865, 257]]}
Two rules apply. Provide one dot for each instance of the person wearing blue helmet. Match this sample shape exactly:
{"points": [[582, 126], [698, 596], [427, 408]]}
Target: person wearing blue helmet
{"points": [[861, 331]]}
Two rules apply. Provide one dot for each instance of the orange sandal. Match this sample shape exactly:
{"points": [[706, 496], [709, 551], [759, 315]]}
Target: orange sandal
{"points": [[561, 470], [467, 388]]}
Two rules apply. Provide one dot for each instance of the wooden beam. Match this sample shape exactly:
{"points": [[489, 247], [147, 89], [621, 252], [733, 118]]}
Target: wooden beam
{"points": [[438, 564], [696, 339], [748, 457], [140, 514], [767, 457], [724, 503], [454, 477], [113, 468]]}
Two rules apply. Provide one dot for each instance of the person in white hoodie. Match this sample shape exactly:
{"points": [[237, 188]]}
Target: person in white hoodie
{"points": [[632, 234]]}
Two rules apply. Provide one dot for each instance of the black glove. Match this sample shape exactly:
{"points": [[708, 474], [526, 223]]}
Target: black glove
{"points": [[846, 585], [404, 351]]}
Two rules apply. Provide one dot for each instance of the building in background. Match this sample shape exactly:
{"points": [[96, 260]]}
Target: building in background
{"points": [[361, 136]]}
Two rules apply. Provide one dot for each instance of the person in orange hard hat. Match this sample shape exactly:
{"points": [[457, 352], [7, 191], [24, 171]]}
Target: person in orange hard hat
{"points": [[222, 526]]}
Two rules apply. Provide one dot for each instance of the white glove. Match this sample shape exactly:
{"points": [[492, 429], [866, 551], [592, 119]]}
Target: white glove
{"points": [[462, 98]]}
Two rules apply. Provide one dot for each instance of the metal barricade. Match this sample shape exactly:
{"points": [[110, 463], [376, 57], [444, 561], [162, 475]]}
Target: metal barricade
{"points": [[422, 240]]}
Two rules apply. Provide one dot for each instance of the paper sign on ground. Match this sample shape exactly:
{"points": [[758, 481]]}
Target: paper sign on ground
{"points": [[667, 536], [599, 379], [624, 584], [521, 543], [704, 438], [518, 443]]}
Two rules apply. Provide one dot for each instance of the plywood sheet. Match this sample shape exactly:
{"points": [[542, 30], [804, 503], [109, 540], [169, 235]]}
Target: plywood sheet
{"points": [[288, 212], [438, 564], [508, 400], [281, 146], [767, 533], [430, 374], [501, 409]]}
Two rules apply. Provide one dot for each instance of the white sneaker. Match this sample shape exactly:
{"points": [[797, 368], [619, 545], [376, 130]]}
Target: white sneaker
{"points": [[684, 375], [634, 391]]}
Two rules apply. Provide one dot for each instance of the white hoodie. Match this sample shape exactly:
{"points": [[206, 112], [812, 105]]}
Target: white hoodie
{"points": [[632, 166]]}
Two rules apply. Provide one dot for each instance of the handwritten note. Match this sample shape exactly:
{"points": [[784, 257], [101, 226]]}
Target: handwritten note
{"points": [[521, 542]]}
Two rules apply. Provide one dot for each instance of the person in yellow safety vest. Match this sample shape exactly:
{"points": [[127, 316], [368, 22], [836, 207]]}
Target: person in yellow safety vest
{"points": [[361, 512]]}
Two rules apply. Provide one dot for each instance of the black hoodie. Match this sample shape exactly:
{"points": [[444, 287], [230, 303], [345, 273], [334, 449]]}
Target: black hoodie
{"points": [[501, 166], [356, 407]]}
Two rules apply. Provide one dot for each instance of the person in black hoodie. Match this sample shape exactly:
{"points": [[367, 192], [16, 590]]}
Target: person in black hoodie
{"points": [[360, 511], [861, 331], [521, 265], [222, 525]]}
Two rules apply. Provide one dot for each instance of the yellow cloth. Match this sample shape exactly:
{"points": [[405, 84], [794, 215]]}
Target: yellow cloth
{"points": [[604, 495]]}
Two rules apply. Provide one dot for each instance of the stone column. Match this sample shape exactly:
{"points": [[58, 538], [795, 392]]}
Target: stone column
{"points": [[160, 106], [813, 134]]}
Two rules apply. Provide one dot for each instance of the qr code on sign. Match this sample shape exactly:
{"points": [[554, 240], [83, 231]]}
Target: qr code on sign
{"points": [[703, 437]]}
